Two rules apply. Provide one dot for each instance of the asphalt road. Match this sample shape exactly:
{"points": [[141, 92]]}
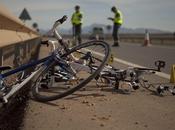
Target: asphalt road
{"points": [[145, 56]]}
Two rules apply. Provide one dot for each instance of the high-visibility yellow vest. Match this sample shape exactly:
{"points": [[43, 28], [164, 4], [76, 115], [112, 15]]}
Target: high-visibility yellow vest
{"points": [[77, 18], [118, 19]]}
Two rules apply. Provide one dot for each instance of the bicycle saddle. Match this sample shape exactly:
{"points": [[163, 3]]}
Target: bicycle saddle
{"points": [[160, 64]]}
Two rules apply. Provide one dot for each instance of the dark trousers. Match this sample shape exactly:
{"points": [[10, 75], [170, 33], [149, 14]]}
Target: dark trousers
{"points": [[77, 32], [115, 33]]}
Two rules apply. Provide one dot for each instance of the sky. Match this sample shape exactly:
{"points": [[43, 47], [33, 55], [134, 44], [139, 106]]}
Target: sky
{"points": [[157, 14]]}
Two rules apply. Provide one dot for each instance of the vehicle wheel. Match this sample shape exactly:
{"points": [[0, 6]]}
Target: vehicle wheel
{"points": [[78, 60]]}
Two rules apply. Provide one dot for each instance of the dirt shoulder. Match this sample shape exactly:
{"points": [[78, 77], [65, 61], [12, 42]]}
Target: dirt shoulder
{"points": [[95, 109]]}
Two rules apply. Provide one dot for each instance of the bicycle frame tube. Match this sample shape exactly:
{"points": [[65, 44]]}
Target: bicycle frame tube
{"points": [[47, 60]]}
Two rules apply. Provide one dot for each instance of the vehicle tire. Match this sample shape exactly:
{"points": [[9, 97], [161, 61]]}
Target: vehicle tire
{"points": [[67, 86]]}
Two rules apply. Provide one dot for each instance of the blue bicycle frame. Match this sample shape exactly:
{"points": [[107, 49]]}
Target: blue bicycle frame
{"points": [[54, 57], [46, 61]]}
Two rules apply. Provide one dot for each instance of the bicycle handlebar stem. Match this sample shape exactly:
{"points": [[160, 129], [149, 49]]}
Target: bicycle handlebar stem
{"points": [[56, 34], [57, 23]]}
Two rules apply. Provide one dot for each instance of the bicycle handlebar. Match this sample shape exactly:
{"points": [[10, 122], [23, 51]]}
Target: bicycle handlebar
{"points": [[56, 34], [56, 24], [62, 20], [53, 30]]}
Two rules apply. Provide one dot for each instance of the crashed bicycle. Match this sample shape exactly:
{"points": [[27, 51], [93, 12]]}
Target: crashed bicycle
{"points": [[62, 62]]}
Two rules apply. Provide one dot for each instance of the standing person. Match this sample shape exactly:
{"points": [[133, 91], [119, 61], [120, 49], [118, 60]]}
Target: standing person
{"points": [[77, 23], [117, 20]]}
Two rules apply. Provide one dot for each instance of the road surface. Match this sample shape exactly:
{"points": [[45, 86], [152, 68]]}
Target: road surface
{"points": [[145, 56]]}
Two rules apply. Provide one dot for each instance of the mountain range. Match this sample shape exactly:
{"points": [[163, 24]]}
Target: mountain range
{"points": [[88, 30]]}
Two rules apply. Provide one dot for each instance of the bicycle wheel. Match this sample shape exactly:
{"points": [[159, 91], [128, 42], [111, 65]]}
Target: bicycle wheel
{"points": [[55, 82]]}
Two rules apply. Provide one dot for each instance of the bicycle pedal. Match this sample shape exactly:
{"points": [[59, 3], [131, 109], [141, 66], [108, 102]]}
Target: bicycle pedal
{"points": [[135, 87], [166, 88], [159, 90]]}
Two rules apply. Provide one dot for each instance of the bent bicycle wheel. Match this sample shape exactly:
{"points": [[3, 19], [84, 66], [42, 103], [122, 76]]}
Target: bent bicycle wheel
{"points": [[56, 81]]}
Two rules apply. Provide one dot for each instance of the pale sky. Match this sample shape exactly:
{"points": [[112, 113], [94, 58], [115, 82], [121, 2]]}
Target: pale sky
{"points": [[158, 14]]}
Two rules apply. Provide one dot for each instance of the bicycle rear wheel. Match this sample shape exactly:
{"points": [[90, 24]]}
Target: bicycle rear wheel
{"points": [[55, 82]]}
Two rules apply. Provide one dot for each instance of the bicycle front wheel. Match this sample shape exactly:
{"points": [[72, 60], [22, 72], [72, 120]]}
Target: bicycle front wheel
{"points": [[56, 81]]}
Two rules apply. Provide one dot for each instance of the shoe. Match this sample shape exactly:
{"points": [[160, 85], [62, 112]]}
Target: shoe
{"points": [[115, 45]]}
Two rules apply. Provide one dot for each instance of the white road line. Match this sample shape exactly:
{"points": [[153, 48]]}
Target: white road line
{"points": [[161, 74]]}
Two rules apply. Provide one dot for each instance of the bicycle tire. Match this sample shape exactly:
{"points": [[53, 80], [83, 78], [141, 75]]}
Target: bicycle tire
{"points": [[42, 98]]}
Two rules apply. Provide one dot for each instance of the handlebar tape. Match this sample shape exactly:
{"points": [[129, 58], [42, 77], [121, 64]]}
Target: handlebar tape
{"points": [[62, 20]]}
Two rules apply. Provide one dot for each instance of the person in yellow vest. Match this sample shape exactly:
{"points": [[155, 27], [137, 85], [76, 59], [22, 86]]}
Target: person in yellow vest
{"points": [[76, 20], [117, 20]]}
